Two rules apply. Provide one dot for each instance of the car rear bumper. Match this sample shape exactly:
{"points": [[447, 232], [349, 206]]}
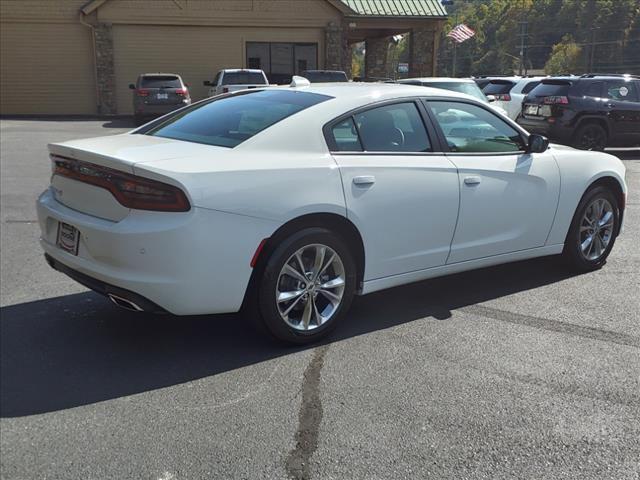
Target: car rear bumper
{"points": [[188, 263], [145, 109], [542, 126]]}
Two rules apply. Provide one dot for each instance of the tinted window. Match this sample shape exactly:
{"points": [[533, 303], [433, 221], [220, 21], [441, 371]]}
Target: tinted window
{"points": [[496, 87], [469, 128], [594, 89], [157, 81], [227, 122], [621, 90], [243, 78], [530, 86], [320, 76], [551, 88], [393, 128], [346, 136], [470, 88]]}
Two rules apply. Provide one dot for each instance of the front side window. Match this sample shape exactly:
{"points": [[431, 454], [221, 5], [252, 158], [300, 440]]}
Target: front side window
{"points": [[472, 129], [393, 128], [229, 121], [621, 90]]}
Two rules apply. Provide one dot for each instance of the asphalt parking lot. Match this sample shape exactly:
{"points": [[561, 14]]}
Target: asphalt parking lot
{"points": [[519, 371]]}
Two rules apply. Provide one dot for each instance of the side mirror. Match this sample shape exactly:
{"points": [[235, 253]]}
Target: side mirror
{"points": [[207, 83], [132, 86], [538, 143], [491, 98]]}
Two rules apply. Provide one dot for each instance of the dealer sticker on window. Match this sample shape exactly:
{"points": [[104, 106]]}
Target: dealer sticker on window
{"points": [[68, 237]]}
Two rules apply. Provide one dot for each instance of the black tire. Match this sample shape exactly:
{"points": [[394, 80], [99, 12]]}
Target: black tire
{"points": [[572, 252], [269, 282], [590, 136]]}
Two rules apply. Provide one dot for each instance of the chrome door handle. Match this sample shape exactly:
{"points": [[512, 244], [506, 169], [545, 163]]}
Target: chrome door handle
{"points": [[472, 180], [364, 180]]}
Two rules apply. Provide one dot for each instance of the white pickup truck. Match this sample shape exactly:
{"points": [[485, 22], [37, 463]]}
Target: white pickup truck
{"points": [[233, 79]]}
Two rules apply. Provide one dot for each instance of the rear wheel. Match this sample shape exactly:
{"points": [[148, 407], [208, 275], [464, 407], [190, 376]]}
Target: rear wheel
{"points": [[591, 136], [593, 230], [307, 286]]}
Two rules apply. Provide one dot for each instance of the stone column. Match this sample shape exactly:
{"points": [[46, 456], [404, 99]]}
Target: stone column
{"points": [[105, 72], [375, 57], [337, 48], [422, 45]]}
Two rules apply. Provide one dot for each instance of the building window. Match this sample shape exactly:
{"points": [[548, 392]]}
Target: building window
{"points": [[280, 61]]}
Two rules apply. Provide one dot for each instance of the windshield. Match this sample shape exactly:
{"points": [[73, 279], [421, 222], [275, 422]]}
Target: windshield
{"points": [[470, 88], [243, 78], [319, 76], [229, 121]]}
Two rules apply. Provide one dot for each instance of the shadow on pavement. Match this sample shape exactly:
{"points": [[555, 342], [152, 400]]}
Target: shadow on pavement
{"points": [[79, 349], [125, 122]]}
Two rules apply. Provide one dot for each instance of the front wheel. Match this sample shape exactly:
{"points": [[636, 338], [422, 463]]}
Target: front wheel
{"points": [[307, 286], [593, 230]]}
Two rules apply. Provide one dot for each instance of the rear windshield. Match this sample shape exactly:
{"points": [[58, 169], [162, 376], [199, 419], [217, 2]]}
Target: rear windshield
{"points": [[530, 86], [157, 81], [317, 77], [495, 87], [243, 78], [229, 121], [550, 88], [470, 88]]}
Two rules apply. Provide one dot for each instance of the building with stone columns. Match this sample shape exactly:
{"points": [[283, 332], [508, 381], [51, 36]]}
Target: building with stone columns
{"points": [[79, 56]]}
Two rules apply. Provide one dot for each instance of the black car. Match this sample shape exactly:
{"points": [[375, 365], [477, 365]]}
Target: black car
{"points": [[589, 112]]}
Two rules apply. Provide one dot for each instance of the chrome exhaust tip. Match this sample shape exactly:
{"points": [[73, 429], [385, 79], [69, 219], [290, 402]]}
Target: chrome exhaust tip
{"points": [[124, 303]]}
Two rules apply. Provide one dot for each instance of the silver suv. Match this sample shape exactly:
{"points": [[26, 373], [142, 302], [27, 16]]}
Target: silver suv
{"points": [[155, 94]]}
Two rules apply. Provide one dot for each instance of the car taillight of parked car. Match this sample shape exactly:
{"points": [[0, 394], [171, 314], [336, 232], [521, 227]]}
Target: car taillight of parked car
{"points": [[225, 90], [556, 100], [129, 190], [503, 97], [183, 92], [143, 92]]}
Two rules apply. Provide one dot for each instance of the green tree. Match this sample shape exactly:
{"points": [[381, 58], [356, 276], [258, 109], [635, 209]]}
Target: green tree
{"points": [[566, 57]]}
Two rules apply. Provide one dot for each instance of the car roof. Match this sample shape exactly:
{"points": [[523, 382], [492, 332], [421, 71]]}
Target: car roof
{"points": [[159, 74], [437, 79], [250, 70]]}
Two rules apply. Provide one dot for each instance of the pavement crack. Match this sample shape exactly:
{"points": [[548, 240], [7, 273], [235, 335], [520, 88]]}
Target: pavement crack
{"points": [[309, 419], [554, 325]]}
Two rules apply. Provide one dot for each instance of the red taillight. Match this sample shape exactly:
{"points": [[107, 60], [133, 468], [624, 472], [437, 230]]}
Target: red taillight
{"points": [[143, 92], [503, 97], [556, 100], [225, 90], [182, 92], [129, 190]]}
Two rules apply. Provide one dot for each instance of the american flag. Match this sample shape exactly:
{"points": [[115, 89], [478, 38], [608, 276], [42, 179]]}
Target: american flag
{"points": [[460, 33]]}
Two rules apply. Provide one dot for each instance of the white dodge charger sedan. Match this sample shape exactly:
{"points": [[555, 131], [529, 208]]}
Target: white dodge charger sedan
{"points": [[294, 199]]}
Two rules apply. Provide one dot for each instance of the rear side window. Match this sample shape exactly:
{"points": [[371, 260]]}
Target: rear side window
{"points": [[345, 135], [530, 86], [594, 89], [497, 87], [551, 88], [157, 81], [243, 78], [229, 121]]}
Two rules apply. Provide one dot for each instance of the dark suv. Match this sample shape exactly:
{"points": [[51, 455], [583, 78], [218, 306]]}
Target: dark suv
{"points": [[590, 112], [155, 94]]}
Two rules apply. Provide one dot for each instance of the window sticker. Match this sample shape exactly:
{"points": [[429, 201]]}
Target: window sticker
{"points": [[623, 91]]}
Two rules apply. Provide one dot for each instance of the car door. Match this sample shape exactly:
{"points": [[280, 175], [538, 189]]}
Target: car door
{"points": [[401, 194], [508, 197], [622, 100]]}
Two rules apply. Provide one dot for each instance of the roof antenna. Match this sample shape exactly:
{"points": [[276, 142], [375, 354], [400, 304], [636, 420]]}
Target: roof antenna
{"points": [[297, 81]]}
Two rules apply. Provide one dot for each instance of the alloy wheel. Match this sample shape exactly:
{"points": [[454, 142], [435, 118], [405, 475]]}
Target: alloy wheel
{"points": [[310, 287], [592, 138], [596, 229]]}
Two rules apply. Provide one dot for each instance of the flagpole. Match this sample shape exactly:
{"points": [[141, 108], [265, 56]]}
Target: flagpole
{"points": [[455, 48]]}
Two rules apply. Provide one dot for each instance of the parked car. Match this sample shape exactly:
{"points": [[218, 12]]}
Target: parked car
{"points": [[462, 85], [325, 76], [156, 94], [500, 90], [590, 112], [290, 201], [483, 80], [233, 80], [512, 101]]}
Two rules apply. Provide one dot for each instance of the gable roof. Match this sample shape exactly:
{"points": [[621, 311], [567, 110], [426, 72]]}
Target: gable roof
{"points": [[396, 8]]}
